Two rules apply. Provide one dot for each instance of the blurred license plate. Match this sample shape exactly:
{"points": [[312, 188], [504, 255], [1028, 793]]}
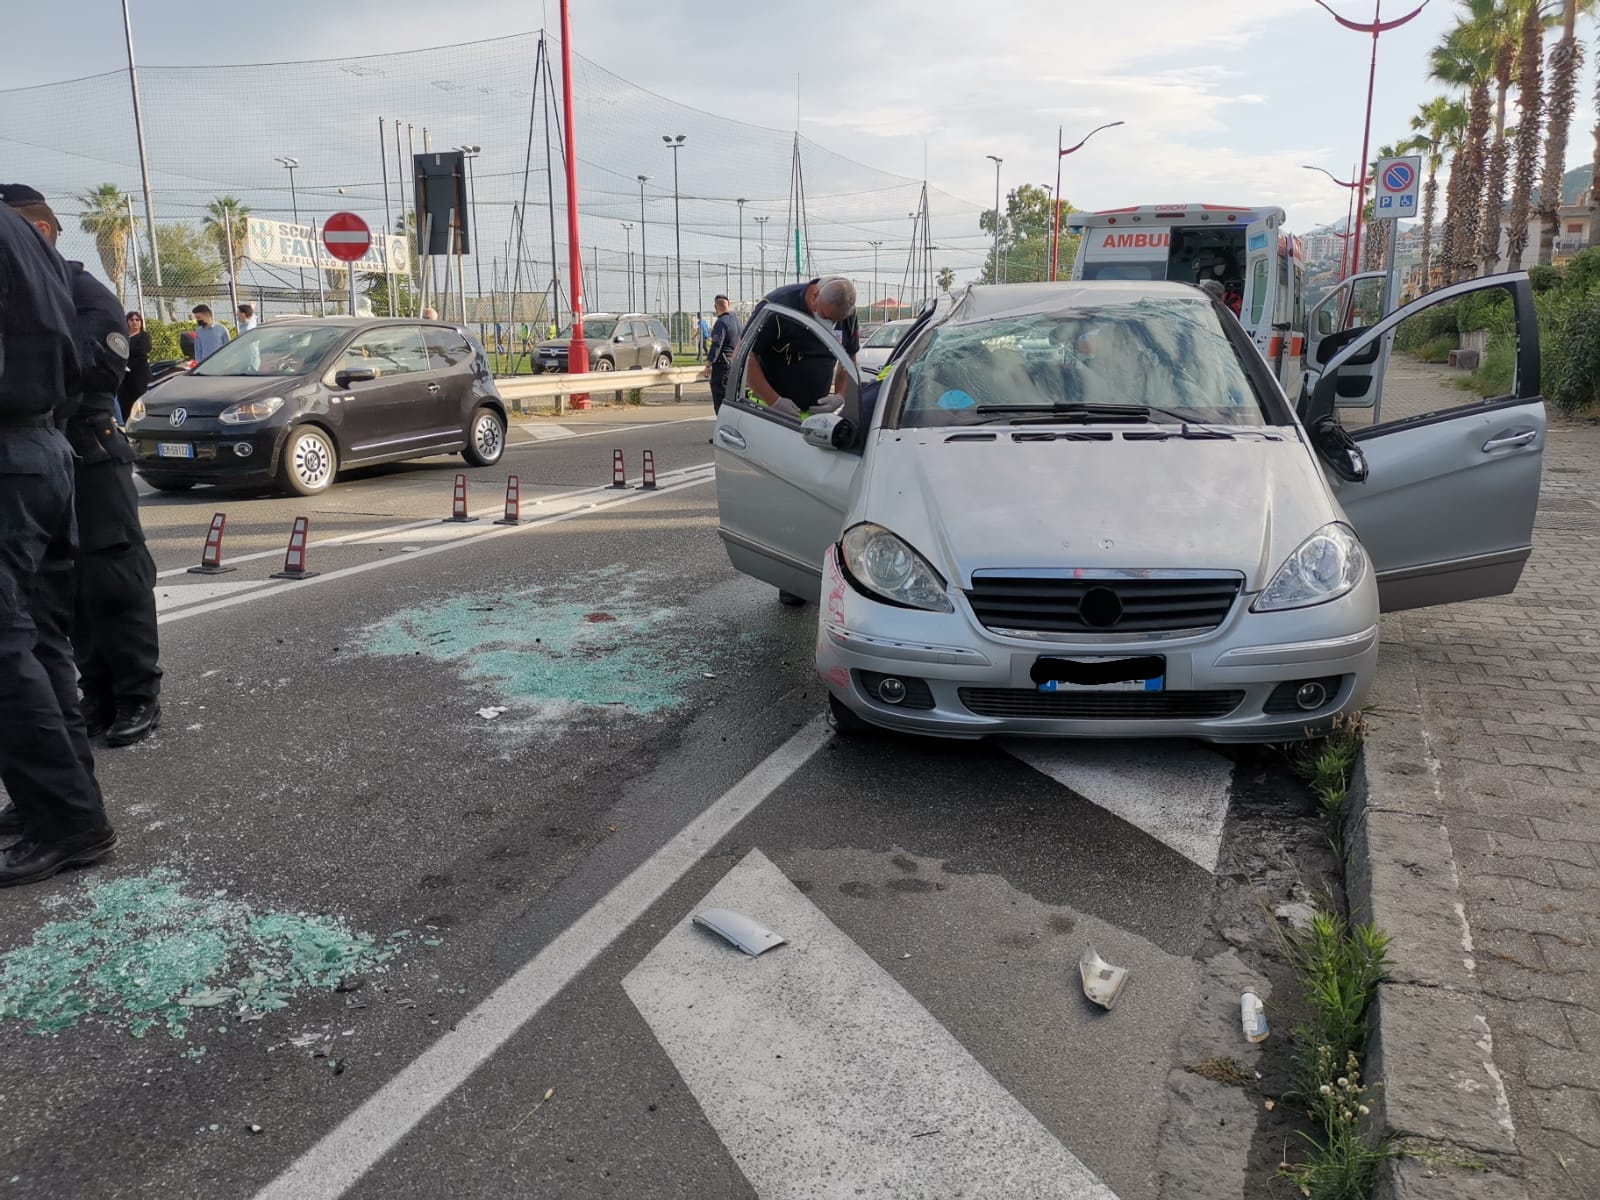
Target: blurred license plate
{"points": [[1100, 674], [175, 449]]}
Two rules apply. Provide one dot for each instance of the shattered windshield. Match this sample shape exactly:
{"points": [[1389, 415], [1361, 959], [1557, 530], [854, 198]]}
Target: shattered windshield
{"points": [[1167, 359]]}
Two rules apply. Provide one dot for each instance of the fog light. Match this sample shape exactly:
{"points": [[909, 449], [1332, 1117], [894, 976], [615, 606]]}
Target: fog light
{"points": [[891, 690], [1311, 695], [243, 449]]}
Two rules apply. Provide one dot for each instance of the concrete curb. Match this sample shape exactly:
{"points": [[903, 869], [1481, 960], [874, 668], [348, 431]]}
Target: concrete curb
{"points": [[1431, 1045]]}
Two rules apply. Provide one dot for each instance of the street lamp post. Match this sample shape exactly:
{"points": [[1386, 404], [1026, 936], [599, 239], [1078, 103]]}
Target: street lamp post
{"points": [[627, 233], [289, 165], [994, 276], [1055, 209], [1378, 26], [870, 298], [741, 202], [761, 226], [675, 144], [1345, 270], [469, 153], [644, 261]]}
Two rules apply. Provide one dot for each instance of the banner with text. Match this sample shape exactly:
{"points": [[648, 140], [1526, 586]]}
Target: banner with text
{"points": [[286, 244]]}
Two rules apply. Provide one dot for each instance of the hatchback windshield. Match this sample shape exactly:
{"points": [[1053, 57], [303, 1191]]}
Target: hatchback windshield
{"points": [[889, 335], [593, 328], [1167, 357], [289, 349]]}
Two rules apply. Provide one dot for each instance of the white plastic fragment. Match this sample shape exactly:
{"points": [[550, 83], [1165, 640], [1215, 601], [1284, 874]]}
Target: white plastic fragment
{"points": [[1253, 1017], [734, 927], [1102, 982], [492, 712]]}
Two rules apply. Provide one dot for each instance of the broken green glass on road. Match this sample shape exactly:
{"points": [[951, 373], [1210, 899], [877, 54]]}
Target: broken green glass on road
{"points": [[142, 951]]}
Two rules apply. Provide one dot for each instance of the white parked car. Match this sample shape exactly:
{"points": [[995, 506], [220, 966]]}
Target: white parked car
{"points": [[1089, 509], [875, 351]]}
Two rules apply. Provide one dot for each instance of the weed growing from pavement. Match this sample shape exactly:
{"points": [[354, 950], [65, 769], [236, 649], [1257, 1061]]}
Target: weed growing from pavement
{"points": [[1223, 1070], [1325, 765]]}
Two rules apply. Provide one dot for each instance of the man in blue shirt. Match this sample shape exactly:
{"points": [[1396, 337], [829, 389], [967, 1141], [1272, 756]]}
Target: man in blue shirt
{"points": [[724, 341], [209, 337]]}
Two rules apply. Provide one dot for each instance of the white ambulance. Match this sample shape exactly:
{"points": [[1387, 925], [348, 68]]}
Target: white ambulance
{"points": [[1260, 265]]}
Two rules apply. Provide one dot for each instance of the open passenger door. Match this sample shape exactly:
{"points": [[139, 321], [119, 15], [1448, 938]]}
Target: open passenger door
{"points": [[783, 484], [1447, 507]]}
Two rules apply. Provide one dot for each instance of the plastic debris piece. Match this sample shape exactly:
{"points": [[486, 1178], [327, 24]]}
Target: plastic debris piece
{"points": [[739, 930], [1102, 982], [549, 1094], [492, 712], [1253, 1017], [253, 1128], [708, 674]]}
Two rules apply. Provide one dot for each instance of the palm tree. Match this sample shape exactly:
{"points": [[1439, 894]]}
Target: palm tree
{"points": [[1433, 122], [1565, 59], [1530, 100], [228, 229], [105, 215], [1464, 61], [947, 279], [1500, 31]]}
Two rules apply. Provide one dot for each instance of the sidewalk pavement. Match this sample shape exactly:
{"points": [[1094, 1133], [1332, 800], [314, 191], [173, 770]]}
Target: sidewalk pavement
{"points": [[1478, 848]]}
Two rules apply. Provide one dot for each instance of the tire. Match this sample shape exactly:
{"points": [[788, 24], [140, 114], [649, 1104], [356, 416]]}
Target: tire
{"points": [[310, 461], [169, 485], [486, 438], [603, 364], [844, 722], [790, 600], [663, 362]]}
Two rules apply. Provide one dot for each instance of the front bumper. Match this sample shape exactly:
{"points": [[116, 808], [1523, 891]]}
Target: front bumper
{"points": [[215, 448], [1217, 684]]}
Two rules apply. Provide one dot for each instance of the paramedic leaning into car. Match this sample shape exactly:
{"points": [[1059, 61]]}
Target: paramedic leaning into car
{"points": [[790, 368]]}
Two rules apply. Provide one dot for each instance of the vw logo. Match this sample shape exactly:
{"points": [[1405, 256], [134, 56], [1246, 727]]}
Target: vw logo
{"points": [[179, 416]]}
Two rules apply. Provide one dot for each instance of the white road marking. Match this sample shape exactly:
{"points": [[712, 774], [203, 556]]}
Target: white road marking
{"points": [[176, 595], [1176, 792], [823, 1076], [351, 1148], [472, 535]]}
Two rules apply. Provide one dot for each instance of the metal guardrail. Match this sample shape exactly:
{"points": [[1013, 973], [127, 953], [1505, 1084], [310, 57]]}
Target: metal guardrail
{"points": [[517, 389]]}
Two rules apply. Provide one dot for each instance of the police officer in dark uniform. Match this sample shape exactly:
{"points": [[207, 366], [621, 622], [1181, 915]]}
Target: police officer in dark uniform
{"points": [[114, 628], [56, 811]]}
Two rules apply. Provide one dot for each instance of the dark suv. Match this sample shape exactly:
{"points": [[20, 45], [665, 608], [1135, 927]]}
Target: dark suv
{"points": [[629, 342], [295, 401]]}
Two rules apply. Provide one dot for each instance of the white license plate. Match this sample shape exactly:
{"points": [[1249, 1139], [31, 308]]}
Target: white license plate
{"points": [[175, 449], [1126, 685]]}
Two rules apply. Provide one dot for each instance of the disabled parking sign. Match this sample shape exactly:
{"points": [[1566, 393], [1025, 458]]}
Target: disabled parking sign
{"points": [[1399, 180]]}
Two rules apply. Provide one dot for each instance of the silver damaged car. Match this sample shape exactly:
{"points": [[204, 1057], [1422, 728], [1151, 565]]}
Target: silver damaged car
{"points": [[1088, 509]]}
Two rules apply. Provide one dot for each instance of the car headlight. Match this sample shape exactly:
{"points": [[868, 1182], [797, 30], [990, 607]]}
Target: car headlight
{"points": [[247, 412], [885, 566], [1325, 566], [136, 413]]}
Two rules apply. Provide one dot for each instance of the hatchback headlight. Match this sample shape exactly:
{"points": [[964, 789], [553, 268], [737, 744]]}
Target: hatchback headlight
{"points": [[891, 570], [247, 412], [136, 413], [1325, 566]]}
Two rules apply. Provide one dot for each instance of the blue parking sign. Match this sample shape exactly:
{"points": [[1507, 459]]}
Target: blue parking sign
{"points": [[1385, 201]]}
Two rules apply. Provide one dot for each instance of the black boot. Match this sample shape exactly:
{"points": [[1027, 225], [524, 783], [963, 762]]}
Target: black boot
{"points": [[134, 723], [10, 821], [31, 860]]}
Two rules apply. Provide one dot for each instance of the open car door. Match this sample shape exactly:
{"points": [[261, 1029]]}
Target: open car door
{"points": [[1447, 507], [782, 489], [1261, 245], [1337, 311]]}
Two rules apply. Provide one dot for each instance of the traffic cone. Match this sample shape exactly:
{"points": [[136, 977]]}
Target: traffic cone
{"points": [[619, 470], [294, 560], [649, 483], [513, 502], [211, 556], [458, 506]]}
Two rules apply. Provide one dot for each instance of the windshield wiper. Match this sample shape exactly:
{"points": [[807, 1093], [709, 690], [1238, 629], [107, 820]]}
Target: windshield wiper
{"points": [[1032, 414]]}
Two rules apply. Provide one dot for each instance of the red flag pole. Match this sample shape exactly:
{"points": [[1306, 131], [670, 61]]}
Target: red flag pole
{"points": [[577, 348]]}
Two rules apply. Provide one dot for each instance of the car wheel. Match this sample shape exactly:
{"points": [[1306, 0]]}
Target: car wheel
{"points": [[603, 364], [170, 485], [309, 461], [663, 361], [486, 439], [790, 600], [844, 722]]}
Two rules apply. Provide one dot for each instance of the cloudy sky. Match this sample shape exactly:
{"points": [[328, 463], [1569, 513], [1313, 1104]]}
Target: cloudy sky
{"points": [[1222, 100]]}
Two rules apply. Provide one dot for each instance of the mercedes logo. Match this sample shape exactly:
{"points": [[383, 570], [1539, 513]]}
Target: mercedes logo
{"points": [[1100, 608], [179, 416]]}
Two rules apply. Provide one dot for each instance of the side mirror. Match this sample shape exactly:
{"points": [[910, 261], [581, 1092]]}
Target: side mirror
{"points": [[619, 338], [1339, 450], [354, 375], [825, 430]]}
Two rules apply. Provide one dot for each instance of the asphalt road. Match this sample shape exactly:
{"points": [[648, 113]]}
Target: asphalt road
{"points": [[402, 903]]}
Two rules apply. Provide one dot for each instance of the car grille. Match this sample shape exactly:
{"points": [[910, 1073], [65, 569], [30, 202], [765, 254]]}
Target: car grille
{"points": [[1047, 604], [1100, 706]]}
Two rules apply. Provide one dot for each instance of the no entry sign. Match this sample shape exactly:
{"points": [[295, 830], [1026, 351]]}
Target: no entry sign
{"points": [[1399, 180], [346, 236]]}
